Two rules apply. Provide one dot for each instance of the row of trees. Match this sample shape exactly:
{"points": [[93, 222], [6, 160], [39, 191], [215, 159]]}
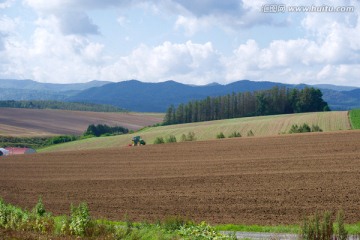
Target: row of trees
{"points": [[103, 129], [47, 104], [273, 101]]}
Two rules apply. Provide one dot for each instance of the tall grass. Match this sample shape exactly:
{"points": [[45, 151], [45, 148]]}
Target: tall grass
{"points": [[315, 228]]}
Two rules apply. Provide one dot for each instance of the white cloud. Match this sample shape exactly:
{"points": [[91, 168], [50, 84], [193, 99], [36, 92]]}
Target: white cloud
{"points": [[8, 25], [74, 22], [192, 15], [71, 18], [191, 25], [7, 29], [61, 49], [50, 56], [6, 3], [188, 62], [121, 20]]}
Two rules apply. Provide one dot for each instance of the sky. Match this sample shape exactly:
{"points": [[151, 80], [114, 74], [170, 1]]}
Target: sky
{"points": [[188, 41]]}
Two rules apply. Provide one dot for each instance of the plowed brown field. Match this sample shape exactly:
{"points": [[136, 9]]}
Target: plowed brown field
{"points": [[41, 122], [267, 180]]}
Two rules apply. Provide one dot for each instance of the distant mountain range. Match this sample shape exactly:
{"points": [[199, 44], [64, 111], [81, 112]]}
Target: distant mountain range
{"points": [[157, 97], [12, 89], [55, 87]]}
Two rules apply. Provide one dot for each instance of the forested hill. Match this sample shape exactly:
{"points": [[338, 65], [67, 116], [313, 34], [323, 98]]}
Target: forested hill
{"points": [[60, 105], [156, 97], [259, 103], [139, 96]]}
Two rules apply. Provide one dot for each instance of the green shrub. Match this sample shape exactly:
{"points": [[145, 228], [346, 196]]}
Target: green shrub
{"points": [[159, 140], [189, 137], [234, 134], [183, 137], [101, 129], [61, 139], [304, 128], [250, 133], [316, 128], [171, 139], [220, 135]]}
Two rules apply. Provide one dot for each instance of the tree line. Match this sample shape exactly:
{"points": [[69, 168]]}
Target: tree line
{"points": [[277, 100], [103, 129], [48, 104]]}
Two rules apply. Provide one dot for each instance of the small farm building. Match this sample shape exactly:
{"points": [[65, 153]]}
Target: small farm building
{"points": [[3, 152], [16, 151]]}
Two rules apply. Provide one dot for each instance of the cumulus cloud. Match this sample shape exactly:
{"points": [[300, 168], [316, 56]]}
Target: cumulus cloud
{"points": [[192, 15], [73, 22], [71, 18], [7, 28], [191, 25], [45, 5], [188, 62], [49, 56], [61, 49], [6, 3]]}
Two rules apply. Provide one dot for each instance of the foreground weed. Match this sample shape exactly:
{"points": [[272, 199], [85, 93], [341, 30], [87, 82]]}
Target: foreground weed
{"points": [[175, 223], [203, 231], [39, 209], [341, 233], [80, 219], [315, 229]]}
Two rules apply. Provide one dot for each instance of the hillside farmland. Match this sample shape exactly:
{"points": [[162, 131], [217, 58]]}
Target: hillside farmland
{"points": [[268, 180], [261, 126], [44, 122]]}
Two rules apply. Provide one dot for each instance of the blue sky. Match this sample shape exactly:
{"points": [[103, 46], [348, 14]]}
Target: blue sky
{"points": [[193, 42]]}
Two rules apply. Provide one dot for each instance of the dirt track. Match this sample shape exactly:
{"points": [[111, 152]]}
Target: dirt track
{"points": [[40, 122], [266, 180]]}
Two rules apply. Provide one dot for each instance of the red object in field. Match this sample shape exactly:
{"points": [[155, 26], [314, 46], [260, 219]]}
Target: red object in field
{"points": [[17, 151]]}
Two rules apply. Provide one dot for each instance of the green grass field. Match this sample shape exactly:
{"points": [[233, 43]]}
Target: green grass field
{"points": [[355, 118], [260, 126]]}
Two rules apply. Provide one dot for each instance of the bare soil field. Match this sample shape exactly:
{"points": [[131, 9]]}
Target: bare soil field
{"points": [[259, 180], [43, 122]]}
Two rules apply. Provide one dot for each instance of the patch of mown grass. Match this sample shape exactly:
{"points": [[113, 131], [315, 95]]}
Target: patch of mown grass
{"points": [[260, 126], [354, 116]]}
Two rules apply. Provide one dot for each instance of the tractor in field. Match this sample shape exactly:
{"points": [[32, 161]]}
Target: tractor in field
{"points": [[137, 141]]}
